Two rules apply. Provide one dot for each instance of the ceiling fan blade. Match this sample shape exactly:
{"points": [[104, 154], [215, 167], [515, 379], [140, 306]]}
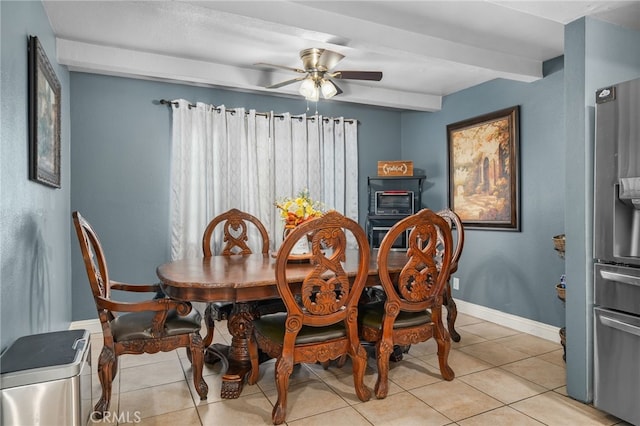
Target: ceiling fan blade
{"points": [[264, 64], [328, 59], [358, 75], [284, 83], [337, 88]]}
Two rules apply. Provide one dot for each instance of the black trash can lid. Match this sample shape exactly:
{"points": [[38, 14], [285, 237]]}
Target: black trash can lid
{"points": [[40, 355]]}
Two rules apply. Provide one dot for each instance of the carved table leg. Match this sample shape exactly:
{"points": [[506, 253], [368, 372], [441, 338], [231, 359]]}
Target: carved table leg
{"points": [[240, 327]]}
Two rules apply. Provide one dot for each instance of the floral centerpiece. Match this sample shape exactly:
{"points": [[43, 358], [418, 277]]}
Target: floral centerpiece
{"points": [[295, 211], [300, 209]]}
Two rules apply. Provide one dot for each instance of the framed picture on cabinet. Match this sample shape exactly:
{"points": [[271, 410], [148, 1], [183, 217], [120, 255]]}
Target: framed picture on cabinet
{"points": [[44, 117], [483, 170]]}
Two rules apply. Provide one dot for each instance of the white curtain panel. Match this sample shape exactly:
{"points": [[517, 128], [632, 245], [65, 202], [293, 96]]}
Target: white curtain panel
{"points": [[223, 159], [188, 198]]}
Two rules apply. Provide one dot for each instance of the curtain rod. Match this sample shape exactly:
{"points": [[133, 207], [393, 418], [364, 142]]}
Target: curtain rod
{"points": [[262, 114]]}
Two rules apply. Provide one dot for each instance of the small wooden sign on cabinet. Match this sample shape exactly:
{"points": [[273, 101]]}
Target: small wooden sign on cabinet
{"points": [[395, 168]]}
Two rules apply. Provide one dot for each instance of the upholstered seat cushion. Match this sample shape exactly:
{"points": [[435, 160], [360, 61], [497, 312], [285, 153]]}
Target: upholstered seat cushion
{"points": [[370, 315], [272, 326], [137, 325]]}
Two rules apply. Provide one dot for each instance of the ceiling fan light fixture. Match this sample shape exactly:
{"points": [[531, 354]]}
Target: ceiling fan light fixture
{"points": [[328, 88], [308, 88], [315, 94]]}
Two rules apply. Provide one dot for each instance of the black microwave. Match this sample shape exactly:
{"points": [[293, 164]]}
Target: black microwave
{"points": [[393, 203], [378, 233]]}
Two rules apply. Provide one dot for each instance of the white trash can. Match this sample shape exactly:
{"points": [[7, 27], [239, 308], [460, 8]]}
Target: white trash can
{"points": [[45, 379]]}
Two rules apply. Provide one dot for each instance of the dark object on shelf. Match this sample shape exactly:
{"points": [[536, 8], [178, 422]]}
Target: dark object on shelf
{"points": [[378, 224], [558, 244], [561, 289]]}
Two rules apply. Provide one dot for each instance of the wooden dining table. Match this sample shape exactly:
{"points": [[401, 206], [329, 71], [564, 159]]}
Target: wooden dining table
{"points": [[244, 280]]}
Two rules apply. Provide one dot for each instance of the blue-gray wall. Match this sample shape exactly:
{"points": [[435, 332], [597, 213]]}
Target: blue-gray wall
{"points": [[35, 275], [120, 164], [596, 55], [513, 272]]}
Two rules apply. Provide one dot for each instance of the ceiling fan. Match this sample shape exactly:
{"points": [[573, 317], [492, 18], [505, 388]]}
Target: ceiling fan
{"points": [[317, 74]]}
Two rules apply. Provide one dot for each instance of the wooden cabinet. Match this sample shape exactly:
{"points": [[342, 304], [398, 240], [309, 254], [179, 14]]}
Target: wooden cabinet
{"points": [[379, 223]]}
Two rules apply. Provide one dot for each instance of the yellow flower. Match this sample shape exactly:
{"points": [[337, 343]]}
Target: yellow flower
{"points": [[295, 211]]}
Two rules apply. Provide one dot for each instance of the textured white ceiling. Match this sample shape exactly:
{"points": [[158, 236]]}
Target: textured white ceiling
{"points": [[425, 49]]}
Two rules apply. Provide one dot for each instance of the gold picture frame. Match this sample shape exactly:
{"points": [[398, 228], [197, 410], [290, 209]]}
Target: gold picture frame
{"points": [[484, 170], [44, 117]]}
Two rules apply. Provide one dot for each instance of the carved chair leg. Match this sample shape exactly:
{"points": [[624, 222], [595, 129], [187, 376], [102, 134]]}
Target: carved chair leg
{"points": [[197, 362], [210, 323], [359, 360], [444, 345], [452, 313], [383, 352], [284, 367], [254, 357], [107, 368]]}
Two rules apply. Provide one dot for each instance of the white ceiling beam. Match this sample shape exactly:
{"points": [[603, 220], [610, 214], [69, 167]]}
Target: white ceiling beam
{"points": [[86, 57]]}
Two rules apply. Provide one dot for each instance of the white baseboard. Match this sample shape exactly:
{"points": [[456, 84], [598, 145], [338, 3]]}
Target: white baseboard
{"points": [[524, 325]]}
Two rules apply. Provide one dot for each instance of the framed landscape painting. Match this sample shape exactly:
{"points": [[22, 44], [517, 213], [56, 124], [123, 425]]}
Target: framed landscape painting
{"points": [[44, 117], [483, 170]]}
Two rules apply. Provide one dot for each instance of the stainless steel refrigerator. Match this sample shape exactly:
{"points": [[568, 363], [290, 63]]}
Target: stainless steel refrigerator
{"points": [[616, 246]]}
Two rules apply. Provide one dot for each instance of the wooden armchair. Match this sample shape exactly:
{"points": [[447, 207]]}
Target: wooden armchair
{"points": [[412, 310], [452, 311], [321, 323], [148, 326], [234, 227]]}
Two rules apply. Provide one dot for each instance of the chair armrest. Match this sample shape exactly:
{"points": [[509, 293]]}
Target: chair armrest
{"points": [[141, 288], [156, 305], [161, 308]]}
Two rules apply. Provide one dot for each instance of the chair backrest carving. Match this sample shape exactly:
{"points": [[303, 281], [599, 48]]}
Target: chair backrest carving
{"points": [[454, 221], [328, 295], [421, 282], [94, 259], [235, 233]]}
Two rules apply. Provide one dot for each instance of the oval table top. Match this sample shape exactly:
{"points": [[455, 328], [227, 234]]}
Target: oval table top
{"points": [[245, 277]]}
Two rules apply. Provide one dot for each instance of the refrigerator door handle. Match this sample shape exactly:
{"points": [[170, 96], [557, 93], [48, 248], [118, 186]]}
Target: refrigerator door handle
{"points": [[619, 325], [622, 278]]}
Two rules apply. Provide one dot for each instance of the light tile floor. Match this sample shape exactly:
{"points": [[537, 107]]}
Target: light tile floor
{"points": [[503, 377]]}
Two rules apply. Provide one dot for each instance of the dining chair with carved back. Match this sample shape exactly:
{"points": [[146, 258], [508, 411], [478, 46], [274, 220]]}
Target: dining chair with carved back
{"points": [[412, 309], [234, 228], [147, 326], [454, 221], [320, 323]]}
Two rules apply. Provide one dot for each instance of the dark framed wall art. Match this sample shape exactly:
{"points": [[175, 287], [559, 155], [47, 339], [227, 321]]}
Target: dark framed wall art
{"points": [[484, 170], [44, 117]]}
